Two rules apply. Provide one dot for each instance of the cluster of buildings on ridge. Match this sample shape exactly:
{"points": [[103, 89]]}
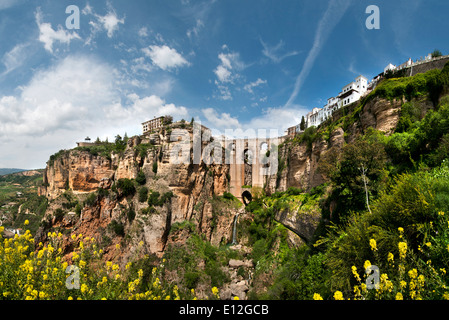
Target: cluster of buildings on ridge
{"points": [[350, 93]]}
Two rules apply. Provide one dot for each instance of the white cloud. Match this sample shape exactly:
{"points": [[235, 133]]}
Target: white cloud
{"points": [[249, 87], [14, 58], [77, 96], [143, 32], [220, 121], [276, 119], [48, 35], [223, 74], [230, 64], [227, 72], [165, 57], [109, 22]]}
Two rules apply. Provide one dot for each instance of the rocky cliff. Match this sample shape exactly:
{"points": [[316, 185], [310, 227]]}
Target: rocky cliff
{"points": [[86, 196]]}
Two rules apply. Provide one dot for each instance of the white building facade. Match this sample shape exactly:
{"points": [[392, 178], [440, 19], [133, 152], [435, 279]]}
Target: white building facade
{"points": [[350, 93]]}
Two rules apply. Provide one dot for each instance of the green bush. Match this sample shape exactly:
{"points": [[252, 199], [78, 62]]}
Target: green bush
{"points": [[155, 167], [131, 214], [153, 199], [90, 200], [117, 228], [141, 179], [191, 279], [143, 194], [126, 187]]}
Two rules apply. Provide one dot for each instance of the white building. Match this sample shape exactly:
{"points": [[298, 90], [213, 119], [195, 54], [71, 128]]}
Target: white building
{"points": [[350, 93], [353, 91], [389, 67]]}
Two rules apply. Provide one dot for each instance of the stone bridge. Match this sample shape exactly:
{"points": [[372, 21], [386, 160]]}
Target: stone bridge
{"points": [[251, 162]]}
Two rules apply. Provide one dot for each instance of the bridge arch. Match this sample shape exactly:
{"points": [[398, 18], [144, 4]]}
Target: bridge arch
{"points": [[247, 197]]}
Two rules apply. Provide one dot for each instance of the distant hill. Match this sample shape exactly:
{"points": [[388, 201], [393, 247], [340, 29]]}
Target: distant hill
{"points": [[4, 171]]}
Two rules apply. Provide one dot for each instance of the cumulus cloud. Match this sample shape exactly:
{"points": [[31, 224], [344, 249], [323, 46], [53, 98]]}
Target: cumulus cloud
{"points": [[47, 35], [77, 96], [165, 57], [220, 121]]}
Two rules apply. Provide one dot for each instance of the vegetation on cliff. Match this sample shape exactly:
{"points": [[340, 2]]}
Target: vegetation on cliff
{"points": [[381, 215]]}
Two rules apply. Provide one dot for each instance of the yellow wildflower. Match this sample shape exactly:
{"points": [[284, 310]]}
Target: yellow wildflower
{"points": [[413, 273], [367, 264], [84, 288], [215, 291], [338, 295], [399, 296], [317, 296], [355, 273], [373, 244], [428, 244], [402, 246], [236, 298], [26, 222], [390, 257]]}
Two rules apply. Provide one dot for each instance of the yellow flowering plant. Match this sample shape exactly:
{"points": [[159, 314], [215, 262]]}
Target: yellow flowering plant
{"points": [[37, 272]]}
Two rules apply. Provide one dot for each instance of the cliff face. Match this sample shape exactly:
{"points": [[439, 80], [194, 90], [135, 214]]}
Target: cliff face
{"points": [[195, 187], [301, 162], [77, 174]]}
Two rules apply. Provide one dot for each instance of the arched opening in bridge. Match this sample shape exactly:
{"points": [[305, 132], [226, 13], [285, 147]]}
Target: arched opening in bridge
{"points": [[248, 156], [247, 197]]}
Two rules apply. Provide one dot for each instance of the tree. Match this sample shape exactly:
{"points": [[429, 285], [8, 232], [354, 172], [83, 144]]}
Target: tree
{"points": [[355, 171], [302, 125], [168, 120], [436, 53]]}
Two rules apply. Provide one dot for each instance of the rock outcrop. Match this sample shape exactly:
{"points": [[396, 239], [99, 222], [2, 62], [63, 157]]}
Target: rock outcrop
{"points": [[78, 174]]}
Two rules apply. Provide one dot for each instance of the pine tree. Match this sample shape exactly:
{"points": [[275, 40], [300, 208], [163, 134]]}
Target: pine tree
{"points": [[302, 125]]}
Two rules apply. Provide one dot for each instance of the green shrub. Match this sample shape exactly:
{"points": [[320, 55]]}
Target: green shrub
{"points": [[141, 179], [126, 187], [228, 196], [117, 228], [90, 200], [131, 214], [293, 191], [153, 199], [143, 194], [191, 279], [155, 167]]}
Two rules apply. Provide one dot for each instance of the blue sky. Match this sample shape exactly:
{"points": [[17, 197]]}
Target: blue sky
{"points": [[249, 64]]}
